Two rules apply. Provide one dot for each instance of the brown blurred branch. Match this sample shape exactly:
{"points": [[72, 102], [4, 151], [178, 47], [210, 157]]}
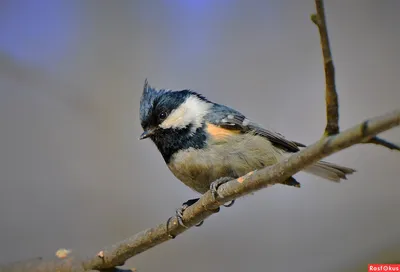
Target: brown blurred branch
{"points": [[331, 95], [117, 254]]}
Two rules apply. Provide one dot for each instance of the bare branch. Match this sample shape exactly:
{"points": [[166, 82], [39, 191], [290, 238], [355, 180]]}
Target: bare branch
{"points": [[331, 96], [116, 255], [384, 143]]}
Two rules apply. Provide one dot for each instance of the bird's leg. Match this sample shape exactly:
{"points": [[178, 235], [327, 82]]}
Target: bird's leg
{"points": [[214, 188]]}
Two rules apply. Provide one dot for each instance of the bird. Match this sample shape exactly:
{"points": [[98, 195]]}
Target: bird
{"points": [[205, 144]]}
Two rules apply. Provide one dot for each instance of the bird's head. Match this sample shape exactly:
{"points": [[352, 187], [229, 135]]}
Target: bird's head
{"points": [[165, 113]]}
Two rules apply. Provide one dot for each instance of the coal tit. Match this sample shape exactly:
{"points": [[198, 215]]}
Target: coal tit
{"points": [[203, 142]]}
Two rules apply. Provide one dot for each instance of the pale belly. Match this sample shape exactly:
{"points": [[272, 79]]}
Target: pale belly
{"points": [[233, 157]]}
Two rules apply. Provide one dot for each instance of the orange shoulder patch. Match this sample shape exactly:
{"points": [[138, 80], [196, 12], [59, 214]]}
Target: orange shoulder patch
{"points": [[219, 132]]}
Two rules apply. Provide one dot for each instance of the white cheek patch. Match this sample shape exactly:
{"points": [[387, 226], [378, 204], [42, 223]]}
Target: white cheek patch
{"points": [[190, 112]]}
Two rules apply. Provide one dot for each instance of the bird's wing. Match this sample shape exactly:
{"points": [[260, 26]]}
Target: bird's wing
{"points": [[231, 119]]}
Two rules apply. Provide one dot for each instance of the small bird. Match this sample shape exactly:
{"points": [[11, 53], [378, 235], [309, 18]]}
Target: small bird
{"points": [[206, 144]]}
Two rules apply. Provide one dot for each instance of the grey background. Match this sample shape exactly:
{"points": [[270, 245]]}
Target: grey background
{"points": [[74, 175]]}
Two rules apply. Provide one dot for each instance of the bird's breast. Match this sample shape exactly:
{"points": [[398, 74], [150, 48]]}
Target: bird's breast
{"points": [[231, 156]]}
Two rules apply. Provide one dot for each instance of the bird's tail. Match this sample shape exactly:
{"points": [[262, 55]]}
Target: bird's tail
{"points": [[329, 171]]}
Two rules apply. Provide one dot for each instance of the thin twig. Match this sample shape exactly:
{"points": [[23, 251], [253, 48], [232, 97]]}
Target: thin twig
{"points": [[383, 142], [117, 255], [331, 96]]}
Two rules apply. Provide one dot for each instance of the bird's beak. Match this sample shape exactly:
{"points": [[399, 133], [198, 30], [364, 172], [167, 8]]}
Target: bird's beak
{"points": [[147, 134]]}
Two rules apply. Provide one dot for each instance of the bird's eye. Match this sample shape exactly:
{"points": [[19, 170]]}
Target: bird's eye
{"points": [[162, 115]]}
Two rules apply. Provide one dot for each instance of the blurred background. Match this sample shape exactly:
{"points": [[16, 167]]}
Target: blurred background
{"points": [[73, 173]]}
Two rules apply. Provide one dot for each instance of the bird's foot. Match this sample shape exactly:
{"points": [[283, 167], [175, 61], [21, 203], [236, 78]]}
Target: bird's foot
{"points": [[179, 212], [179, 215], [214, 189]]}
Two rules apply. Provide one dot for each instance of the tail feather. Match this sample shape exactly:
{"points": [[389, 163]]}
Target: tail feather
{"points": [[329, 171]]}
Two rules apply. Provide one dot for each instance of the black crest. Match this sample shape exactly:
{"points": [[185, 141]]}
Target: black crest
{"points": [[147, 100]]}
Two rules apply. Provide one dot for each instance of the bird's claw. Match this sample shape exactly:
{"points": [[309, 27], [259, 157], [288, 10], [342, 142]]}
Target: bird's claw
{"points": [[179, 215], [179, 212], [214, 189], [229, 204]]}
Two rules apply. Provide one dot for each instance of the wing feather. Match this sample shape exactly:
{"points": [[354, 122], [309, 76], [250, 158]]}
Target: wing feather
{"points": [[228, 118]]}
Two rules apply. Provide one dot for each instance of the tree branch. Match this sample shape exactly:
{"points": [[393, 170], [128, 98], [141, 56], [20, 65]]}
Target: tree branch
{"points": [[331, 96], [383, 142], [117, 254]]}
